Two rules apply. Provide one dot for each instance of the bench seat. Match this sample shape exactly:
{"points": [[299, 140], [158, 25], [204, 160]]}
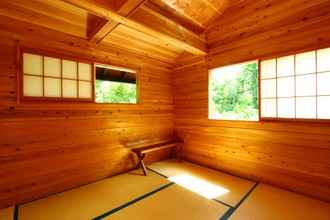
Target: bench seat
{"points": [[142, 149]]}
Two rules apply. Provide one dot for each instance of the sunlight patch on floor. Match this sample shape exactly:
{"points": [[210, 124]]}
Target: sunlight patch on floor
{"points": [[199, 186]]}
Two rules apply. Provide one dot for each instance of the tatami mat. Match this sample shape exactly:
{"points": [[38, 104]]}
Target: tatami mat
{"points": [[235, 188], [92, 200], [267, 202], [175, 203], [7, 214]]}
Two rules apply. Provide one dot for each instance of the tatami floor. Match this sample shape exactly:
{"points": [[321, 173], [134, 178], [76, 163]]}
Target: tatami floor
{"points": [[172, 190]]}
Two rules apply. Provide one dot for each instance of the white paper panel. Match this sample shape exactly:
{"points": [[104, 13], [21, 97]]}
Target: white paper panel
{"points": [[306, 107], [268, 108], [268, 88], [85, 71], [285, 87], [32, 86], [323, 60], [323, 83], [306, 85], [286, 107], [32, 64], [85, 89], [323, 107], [69, 88], [305, 63], [52, 87], [69, 69], [268, 69], [285, 66], [52, 67]]}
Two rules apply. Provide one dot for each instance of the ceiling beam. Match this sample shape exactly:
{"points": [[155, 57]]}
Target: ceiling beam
{"points": [[178, 18], [125, 10], [194, 47]]}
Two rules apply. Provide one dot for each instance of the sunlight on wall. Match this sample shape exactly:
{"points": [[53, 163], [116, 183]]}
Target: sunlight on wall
{"points": [[199, 186]]}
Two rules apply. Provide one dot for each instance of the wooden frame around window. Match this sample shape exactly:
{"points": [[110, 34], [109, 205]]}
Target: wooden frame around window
{"points": [[44, 54], [210, 103], [269, 119], [138, 84], [19, 85]]}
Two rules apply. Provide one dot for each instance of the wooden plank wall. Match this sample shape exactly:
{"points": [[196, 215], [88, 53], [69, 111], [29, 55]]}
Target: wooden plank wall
{"points": [[49, 147], [292, 155]]}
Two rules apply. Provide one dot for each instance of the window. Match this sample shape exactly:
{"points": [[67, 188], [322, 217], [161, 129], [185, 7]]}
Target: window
{"points": [[233, 92], [296, 86], [52, 77], [115, 85]]}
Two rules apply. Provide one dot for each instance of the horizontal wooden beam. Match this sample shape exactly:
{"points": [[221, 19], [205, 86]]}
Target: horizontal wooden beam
{"points": [[198, 48], [125, 10], [176, 17]]}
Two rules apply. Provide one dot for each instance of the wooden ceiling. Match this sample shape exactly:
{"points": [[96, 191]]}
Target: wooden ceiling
{"points": [[159, 29]]}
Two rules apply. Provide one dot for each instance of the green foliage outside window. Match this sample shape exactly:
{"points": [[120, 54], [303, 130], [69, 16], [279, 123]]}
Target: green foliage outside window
{"points": [[235, 97], [115, 92]]}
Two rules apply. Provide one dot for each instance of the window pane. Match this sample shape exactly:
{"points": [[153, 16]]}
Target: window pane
{"points": [[32, 64], [306, 107], [285, 87], [85, 89], [52, 67], [52, 87], [268, 108], [268, 88], [69, 88], [268, 69], [115, 85], [32, 86], [305, 63], [285, 66], [286, 107], [115, 92], [323, 107], [323, 60], [69, 69], [323, 83], [306, 85], [85, 71]]}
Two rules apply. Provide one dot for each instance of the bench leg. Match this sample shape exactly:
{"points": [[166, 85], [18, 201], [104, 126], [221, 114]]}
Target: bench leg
{"points": [[144, 168], [141, 163]]}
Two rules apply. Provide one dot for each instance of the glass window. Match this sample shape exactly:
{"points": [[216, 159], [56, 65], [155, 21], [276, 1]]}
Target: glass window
{"points": [[115, 85], [234, 91]]}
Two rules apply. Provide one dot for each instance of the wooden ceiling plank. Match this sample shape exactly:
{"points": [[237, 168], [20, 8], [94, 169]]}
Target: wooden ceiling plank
{"points": [[192, 47], [125, 10], [56, 40], [20, 13], [175, 16], [154, 19]]}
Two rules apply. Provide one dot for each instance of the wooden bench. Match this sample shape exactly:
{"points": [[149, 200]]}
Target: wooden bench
{"points": [[142, 149]]}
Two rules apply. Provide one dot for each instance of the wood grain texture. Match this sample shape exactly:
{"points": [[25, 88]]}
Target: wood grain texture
{"points": [[50, 147], [277, 28], [292, 155], [176, 39]]}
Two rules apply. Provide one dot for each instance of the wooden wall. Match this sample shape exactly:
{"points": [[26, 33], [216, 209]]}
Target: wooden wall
{"points": [[49, 147], [293, 155]]}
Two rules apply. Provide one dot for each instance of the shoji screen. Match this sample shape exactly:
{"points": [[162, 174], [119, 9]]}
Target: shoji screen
{"points": [[296, 86], [52, 77]]}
